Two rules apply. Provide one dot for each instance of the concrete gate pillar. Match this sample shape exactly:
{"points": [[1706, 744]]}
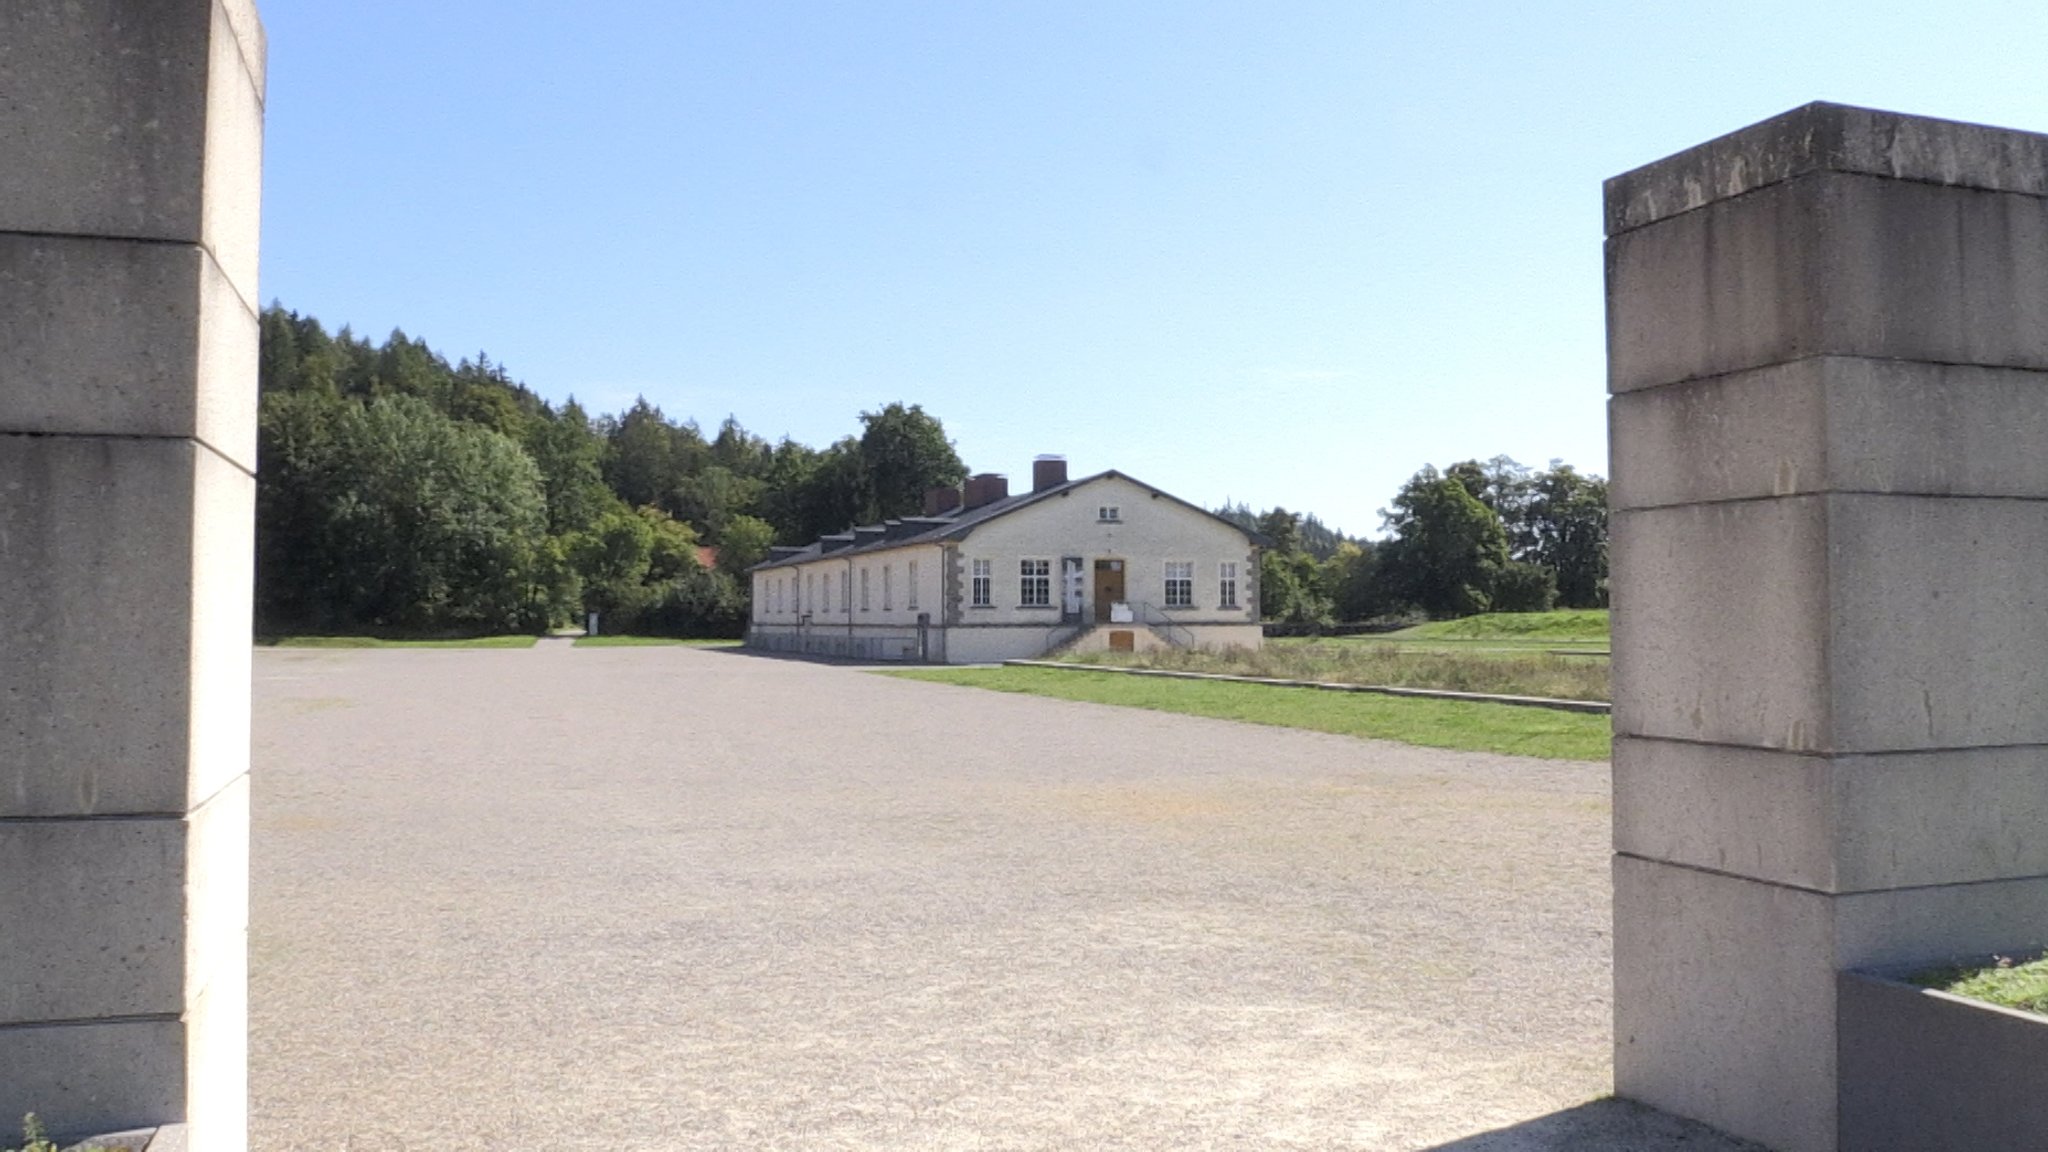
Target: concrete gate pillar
{"points": [[130, 162], [1828, 359]]}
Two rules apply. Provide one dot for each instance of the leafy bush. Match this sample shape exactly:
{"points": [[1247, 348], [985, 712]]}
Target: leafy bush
{"points": [[1524, 588], [33, 1139]]}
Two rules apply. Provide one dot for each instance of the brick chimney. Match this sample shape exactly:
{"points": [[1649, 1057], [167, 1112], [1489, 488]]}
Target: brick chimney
{"points": [[939, 501], [986, 488], [1048, 472]]}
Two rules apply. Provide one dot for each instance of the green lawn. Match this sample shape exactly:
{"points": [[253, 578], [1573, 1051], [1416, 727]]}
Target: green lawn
{"points": [[2005, 983], [1571, 626], [649, 642], [378, 642], [1453, 724]]}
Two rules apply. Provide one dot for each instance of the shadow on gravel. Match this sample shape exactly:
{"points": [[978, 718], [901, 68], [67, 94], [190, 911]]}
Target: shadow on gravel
{"points": [[1608, 1125]]}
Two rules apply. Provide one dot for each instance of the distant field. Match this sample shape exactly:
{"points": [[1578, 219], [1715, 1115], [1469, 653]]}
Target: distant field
{"points": [[1457, 725], [377, 642], [650, 642]]}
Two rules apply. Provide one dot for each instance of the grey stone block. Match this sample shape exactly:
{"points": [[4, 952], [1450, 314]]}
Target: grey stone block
{"points": [[1721, 623], [1913, 926], [126, 565], [1926, 1072], [119, 338], [1833, 623], [1724, 1003], [231, 210], [127, 917], [217, 1061], [94, 1077], [1832, 424], [124, 138], [101, 930], [1834, 824], [1822, 137], [216, 874], [1830, 264], [1939, 624], [1744, 811]]}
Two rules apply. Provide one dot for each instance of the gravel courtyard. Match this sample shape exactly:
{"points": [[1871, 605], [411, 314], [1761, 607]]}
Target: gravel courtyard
{"points": [[683, 899]]}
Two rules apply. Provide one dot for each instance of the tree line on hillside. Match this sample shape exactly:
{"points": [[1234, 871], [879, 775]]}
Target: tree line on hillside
{"points": [[400, 494], [1479, 536]]}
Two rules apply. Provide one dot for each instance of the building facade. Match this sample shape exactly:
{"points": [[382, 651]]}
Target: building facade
{"points": [[1103, 561]]}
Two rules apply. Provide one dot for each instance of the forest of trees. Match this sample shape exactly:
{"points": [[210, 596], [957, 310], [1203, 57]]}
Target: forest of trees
{"points": [[400, 494], [1479, 536]]}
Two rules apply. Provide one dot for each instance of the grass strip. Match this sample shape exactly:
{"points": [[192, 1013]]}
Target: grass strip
{"points": [[1351, 662], [1465, 727], [2003, 982], [1563, 703], [380, 642], [650, 642]]}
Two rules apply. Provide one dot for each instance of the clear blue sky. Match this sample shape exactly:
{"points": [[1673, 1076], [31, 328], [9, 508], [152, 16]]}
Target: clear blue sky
{"points": [[1286, 253]]}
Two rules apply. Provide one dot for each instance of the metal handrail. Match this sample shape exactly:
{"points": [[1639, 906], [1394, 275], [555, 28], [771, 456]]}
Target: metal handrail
{"points": [[1151, 615]]}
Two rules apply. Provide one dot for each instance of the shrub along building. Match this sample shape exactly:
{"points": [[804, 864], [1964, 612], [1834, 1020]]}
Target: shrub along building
{"points": [[1100, 562]]}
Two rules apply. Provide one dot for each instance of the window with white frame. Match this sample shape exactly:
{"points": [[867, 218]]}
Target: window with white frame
{"points": [[911, 582], [810, 593], [845, 590], [863, 589], [984, 583], [888, 588], [1226, 584], [1109, 513], [1034, 583], [1180, 583]]}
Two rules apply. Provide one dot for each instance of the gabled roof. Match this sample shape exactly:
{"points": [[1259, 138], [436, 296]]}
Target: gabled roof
{"points": [[961, 524]]}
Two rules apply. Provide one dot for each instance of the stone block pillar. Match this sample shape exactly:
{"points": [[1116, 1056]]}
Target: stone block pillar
{"points": [[130, 168], [1828, 359]]}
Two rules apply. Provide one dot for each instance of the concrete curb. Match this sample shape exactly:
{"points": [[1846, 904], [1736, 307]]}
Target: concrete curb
{"points": [[169, 1138], [1596, 707]]}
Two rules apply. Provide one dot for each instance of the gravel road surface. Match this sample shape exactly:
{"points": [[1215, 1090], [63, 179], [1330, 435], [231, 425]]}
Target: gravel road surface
{"points": [[665, 898]]}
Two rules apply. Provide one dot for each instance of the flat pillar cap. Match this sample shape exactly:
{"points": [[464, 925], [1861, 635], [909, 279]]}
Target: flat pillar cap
{"points": [[1824, 137]]}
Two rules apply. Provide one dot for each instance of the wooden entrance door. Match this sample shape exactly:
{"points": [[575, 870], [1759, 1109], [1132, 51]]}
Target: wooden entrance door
{"points": [[1109, 587]]}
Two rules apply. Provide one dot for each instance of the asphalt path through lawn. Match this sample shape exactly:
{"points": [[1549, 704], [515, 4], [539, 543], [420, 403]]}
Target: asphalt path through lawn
{"points": [[574, 898]]}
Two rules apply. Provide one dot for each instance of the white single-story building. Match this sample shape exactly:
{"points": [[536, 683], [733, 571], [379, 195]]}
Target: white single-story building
{"points": [[1100, 562]]}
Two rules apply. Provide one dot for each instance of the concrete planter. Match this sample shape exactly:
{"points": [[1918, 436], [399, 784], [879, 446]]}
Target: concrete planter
{"points": [[1924, 1071]]}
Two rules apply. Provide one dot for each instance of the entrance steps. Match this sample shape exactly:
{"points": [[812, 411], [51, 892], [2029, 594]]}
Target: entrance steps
{"points": [[1115, 638]]}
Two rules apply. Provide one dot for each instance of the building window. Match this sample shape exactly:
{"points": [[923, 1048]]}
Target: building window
{"points": [[846, 591], [863, 589], [1109, 513], [1180, 583], [1226, 584], [1034, 585], [912, 582], [888, 588], [810, 593], [984, 583]]}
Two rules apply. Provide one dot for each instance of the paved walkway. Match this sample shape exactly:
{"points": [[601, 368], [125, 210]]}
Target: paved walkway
{"points": [[679, 899]]}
